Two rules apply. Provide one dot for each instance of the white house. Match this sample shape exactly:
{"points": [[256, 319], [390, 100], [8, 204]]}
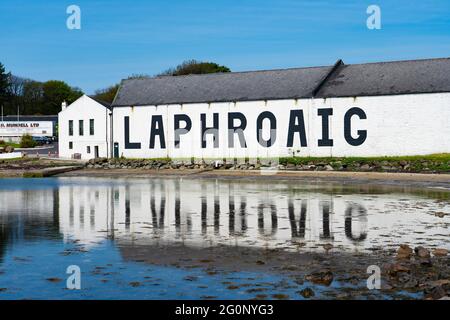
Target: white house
{"points": [[85, 129], [374, 109]]}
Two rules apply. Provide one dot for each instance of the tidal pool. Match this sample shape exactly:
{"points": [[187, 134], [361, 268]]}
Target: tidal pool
{"points": [[109, 227]]}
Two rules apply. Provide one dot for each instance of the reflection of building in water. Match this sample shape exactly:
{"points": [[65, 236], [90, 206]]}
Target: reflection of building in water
{"points": [[208, 212]]}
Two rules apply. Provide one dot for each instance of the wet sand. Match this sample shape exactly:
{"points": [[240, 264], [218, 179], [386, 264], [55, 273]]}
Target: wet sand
{"points": [[375, 178]]}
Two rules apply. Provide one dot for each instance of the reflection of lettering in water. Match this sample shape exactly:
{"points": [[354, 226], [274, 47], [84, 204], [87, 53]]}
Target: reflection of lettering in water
{"points": [[208, 212], [229, 212]]}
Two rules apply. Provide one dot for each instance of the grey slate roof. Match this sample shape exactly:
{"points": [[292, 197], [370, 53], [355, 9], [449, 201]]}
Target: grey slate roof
{"points": [[389, 78], [219, 87], [383, 78]]}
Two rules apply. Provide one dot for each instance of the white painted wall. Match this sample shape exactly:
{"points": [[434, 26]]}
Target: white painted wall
{"points": [[85, 109], [415, 124]]}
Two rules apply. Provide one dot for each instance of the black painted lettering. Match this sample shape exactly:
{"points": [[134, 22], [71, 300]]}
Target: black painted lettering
{"points": [[325, 114], [296, 124], [128, 144], [178, 130], [239, 130], [273, 129], [157, 129], [214, 130], [362, 134]]}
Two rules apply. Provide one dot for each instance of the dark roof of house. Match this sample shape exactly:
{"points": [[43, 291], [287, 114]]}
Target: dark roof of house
{"points": [[220, 87], [389, 78], [31, 118], [340, 80], [104, 103]]}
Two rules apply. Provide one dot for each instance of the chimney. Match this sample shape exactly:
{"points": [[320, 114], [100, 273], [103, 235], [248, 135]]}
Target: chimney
{"points": [[63, 105]]}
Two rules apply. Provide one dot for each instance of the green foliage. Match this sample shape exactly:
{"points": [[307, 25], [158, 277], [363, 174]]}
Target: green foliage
{"points": [[33, 174], [434, 162], [107, 94], [27, 141], [195, 67], [55, 92], [4, 84], [12, 144], [33, 97]]}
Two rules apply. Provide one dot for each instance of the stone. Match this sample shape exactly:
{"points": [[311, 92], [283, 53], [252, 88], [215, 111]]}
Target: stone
{"points": [[421, 252], [323, 277], [365, 167], [436, 293], [397, 268], [8, 149], [307, 293], [328, 168], [404, 252], [440, 252]]}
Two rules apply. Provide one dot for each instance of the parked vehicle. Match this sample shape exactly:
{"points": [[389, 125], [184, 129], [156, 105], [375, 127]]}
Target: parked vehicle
{"points": [[43, 140]]}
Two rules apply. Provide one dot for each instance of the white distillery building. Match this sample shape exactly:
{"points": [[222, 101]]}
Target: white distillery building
{"points": [[373, 109], [85, 129]]}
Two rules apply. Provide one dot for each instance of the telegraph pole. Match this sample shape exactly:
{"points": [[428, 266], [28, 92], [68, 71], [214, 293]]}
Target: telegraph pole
{"points": [[18, 117], [2, 113]]}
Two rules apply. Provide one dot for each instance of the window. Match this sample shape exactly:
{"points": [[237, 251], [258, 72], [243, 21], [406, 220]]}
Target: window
{"points": [[80, 128], [70, 127], [88, 149], [71, 145], [91, 127]]}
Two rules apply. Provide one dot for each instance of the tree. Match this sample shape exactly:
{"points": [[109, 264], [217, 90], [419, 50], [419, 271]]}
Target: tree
{"points": [[55, 92], [33, 97], [107, 94], [195, 67], [4, 84]]}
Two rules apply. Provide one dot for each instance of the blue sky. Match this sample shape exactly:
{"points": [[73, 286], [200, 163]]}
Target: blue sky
{"points": [[120, 38]]}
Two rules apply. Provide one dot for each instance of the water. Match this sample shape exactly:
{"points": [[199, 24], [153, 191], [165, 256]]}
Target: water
{"points": [[110, 227]]}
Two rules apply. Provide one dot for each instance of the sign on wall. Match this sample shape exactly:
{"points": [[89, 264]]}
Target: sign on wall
{"points": [[19, 128]]}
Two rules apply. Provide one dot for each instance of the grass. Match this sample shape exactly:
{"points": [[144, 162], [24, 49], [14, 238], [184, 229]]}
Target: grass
{"points": [[434, 162], [12, 144], [33, 174]]}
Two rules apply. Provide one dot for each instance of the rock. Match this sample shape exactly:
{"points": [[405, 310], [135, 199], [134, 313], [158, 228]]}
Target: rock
{"points": [[307, 293], [421, 252], [328, 168], [135, 284], [440, 252], [445, 298], [8, 149], [440, 214], [320, 277], [365, 167], [327, 247], [404, 252], [436, 293], [396, 268]]}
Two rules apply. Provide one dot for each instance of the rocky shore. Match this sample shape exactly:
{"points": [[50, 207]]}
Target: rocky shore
{"points": [[408, 273], [289, 164]]}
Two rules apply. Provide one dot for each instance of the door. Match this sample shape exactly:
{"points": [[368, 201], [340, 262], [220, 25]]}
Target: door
{"points": [[96, 151], [116, 149]]}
